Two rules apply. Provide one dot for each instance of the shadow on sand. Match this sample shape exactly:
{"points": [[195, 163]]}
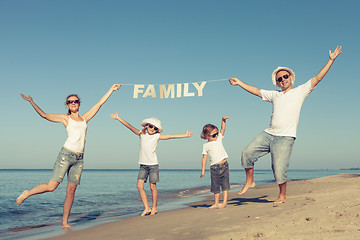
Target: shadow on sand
{"points": [[236, 202]]}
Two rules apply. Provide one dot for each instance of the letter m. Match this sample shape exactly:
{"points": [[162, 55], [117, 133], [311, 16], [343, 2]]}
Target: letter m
{"points": [[166, 92]]}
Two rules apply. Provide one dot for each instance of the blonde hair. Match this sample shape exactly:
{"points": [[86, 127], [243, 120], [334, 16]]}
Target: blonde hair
{"points": [[207, 129]]}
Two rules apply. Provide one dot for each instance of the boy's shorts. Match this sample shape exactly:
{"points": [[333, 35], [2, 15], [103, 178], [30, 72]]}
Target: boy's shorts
{"points": [[70, 163], [220, 177], [151, 171]]}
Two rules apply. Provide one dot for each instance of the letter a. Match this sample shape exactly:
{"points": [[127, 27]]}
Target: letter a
{"points": [[150, 91]]}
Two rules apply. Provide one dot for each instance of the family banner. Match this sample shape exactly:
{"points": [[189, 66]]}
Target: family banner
{"points": [[177, 90]]}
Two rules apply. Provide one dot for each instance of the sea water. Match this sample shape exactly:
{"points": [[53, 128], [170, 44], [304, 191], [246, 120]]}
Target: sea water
{"points": [[107, 195]]}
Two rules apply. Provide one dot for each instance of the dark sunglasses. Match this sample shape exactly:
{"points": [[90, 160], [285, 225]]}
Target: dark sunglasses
{"points": [[72, 101], [214, 135], [151, 126], [281, 78]]}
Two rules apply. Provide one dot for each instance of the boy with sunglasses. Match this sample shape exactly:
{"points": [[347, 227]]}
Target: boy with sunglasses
{"points": [[278, 139], [149, 166], [219, 167]]}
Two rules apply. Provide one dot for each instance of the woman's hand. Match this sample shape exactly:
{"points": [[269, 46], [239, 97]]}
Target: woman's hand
{"points": [[115, 87], [27, 98], [114, 116]]}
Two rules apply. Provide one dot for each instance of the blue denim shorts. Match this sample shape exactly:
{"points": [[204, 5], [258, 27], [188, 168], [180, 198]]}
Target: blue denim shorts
{"points": [[220, 177], [280, 148], [70, 163], [151, 171]]}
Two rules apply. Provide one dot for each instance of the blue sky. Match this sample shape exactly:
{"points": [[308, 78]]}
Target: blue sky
{"points": [[50, 49]]}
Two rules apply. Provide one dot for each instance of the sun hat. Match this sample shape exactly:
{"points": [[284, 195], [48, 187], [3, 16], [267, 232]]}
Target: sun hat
{"points": [[273, 76], [153, 121]]}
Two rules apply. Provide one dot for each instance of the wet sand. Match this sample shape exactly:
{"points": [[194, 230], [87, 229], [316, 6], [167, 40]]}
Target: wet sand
{"points": [[323, 208]]}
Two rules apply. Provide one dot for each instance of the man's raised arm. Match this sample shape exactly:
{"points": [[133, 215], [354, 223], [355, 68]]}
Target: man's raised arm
{"points": [[332, 56], [246, 87]]}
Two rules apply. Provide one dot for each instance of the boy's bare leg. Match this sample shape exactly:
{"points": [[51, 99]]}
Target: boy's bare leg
{"points": [[69, 199], [140, 187], [217, 199], [249, 180], [282, 194], [42, 188], [225, 198], [154, 193]]}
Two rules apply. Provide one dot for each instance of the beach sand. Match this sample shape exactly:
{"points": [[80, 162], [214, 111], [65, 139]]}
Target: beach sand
{"points": [[324, 208]]}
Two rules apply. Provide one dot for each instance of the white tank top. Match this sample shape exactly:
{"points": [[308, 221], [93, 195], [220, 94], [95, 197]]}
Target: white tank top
{"points": [[148, 145], [76, 135]]}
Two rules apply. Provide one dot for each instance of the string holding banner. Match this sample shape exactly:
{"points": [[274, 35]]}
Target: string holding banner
{"points": [[170, 90]]}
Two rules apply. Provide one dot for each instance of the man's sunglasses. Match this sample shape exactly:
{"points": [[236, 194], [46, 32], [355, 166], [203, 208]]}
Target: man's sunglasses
{"points": [[281, 78], [214, 135], [72, 101], [151, 126]]}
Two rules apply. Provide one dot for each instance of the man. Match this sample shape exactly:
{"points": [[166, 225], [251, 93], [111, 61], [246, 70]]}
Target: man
{"points": [[278, 139]]}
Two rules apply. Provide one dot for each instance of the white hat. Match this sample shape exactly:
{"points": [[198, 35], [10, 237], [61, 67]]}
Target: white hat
{"points": [[153, 121], [273, 76]]}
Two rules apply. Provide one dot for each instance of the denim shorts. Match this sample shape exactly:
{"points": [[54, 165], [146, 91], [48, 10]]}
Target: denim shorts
{"points": [[280, 148], [151, 171], [70, 163], [220, 177]]}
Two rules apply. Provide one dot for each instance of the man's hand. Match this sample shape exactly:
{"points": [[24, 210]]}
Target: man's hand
{"points": [[333, 55]]}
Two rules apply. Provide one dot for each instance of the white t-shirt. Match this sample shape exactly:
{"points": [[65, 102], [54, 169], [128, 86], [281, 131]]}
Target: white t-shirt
{"points": [[215, 150], [76, 135], [148, 144], [286, 109]]}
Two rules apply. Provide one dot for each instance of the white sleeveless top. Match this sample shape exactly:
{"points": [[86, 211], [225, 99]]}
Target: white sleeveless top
{"points": [[148, 145], [76, 135]]}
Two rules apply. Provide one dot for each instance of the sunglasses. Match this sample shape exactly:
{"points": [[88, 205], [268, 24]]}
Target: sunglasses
{"points": [[214, 135], [72, 101], [151, 126], [281, 78]]}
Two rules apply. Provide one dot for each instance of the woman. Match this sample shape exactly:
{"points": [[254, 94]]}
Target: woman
{"points": [[70, 158]]}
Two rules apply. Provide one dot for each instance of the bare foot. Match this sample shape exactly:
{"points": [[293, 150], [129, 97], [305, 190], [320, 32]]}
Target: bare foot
{"points": [[281, 199], [246, 187], [223, 205], [65, 225], [154, 211], [22, 197], [146, 212], [66, 229], [215, 206]]}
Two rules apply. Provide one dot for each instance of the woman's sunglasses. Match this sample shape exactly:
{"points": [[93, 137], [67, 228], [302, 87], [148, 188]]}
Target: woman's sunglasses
{"points": [[151, 126], [281, 78], [214, 135], [72, 101]]}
